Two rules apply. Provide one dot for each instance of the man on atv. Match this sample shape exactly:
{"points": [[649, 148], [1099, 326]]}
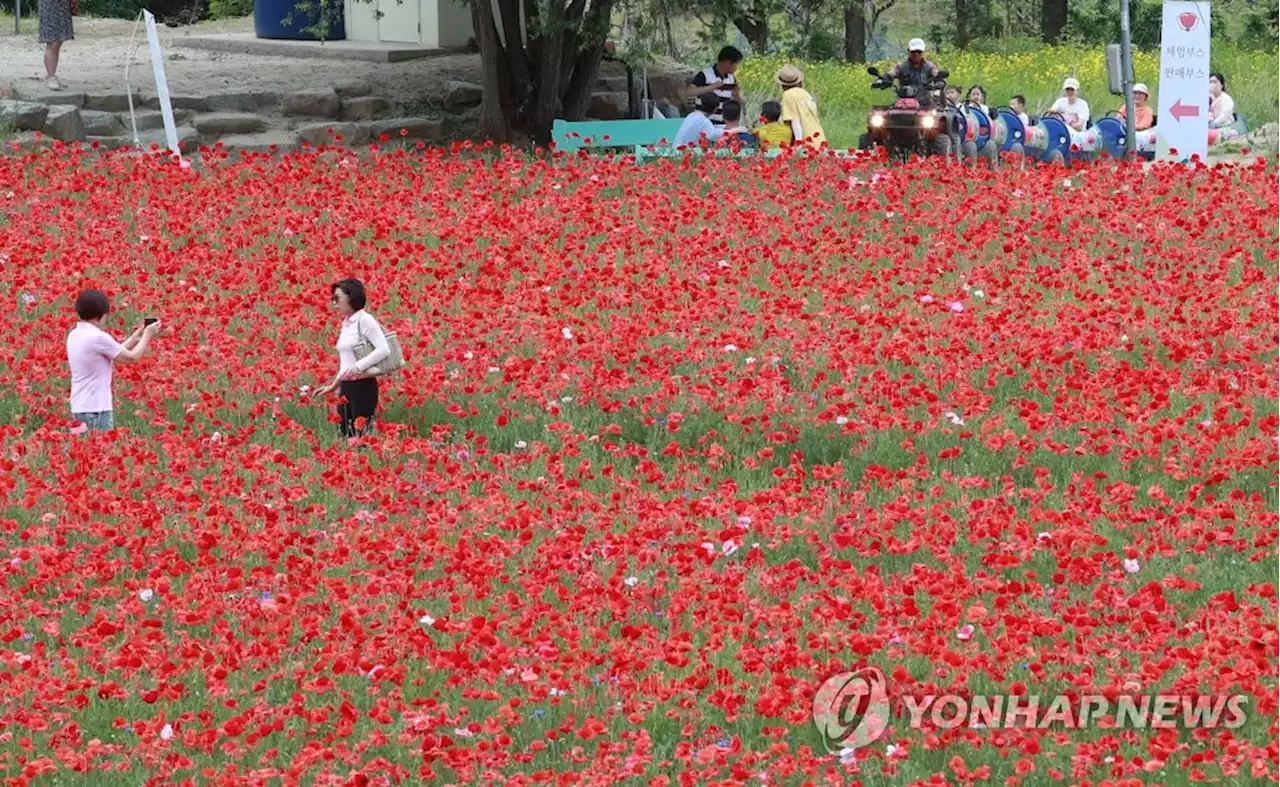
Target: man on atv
{"points": [[915, 71], [922, 74]]}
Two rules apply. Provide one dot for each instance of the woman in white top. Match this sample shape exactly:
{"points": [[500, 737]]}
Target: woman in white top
{"points": [[1222, 108], [1074, 110], [359, 391]]}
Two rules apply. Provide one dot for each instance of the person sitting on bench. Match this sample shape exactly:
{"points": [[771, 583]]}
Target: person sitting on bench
{"points": [[697, 124], [734, 132], [1222, 108], [1143, 116], [772, 132]]}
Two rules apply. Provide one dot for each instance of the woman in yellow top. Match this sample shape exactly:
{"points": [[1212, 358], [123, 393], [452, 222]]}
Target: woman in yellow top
{"points": [[799, 108]]}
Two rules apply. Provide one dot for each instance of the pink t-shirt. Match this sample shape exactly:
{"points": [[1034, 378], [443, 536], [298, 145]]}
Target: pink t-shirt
{"points": [[91, 353]]}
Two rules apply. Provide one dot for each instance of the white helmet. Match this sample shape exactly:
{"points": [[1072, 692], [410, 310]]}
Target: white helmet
{"points": [[915, 45]]}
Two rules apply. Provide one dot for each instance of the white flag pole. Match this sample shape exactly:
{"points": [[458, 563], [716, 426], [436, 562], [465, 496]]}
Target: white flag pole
{"points": [[162, 85]]}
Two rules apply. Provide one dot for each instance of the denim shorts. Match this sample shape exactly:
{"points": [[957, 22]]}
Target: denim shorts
{"points": [[96, 421]]}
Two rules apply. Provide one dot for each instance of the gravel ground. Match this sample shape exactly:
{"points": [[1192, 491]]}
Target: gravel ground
{"points": [[95, 62]]}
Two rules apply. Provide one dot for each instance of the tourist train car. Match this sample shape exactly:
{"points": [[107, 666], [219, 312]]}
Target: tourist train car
{"points": [[1051, 140]]}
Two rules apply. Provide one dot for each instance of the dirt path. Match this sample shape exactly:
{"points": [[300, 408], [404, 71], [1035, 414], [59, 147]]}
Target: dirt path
{"points": [[95, 62]]}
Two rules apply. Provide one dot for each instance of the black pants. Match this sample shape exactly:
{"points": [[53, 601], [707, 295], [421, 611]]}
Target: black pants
{"points": [[361, 403]]}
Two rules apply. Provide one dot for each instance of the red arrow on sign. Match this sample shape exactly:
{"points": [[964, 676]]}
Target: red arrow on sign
{"points": [[1180, 110]]}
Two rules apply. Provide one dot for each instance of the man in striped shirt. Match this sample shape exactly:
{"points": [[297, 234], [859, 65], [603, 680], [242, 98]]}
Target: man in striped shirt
{"points": [[717, 82]]}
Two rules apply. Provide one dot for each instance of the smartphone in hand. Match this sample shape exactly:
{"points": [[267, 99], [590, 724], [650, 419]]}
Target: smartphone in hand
{"points": [[149, 320]]}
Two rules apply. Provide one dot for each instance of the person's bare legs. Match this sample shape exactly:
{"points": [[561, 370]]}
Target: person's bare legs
{"points": [[51, 52]]}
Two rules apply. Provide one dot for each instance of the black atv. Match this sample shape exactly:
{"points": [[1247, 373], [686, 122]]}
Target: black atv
{"points": [[917, 123]]}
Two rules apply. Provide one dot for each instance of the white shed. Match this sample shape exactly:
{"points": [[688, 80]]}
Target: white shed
{"points": [[430, 24]]}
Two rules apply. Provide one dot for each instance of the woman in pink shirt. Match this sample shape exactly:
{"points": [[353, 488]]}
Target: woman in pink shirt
{"points": [[92, 353]]}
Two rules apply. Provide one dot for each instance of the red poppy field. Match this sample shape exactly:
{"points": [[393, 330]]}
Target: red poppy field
{"points": [[676, 443]]}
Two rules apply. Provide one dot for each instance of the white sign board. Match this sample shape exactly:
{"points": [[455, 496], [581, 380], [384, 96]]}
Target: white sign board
{"points": [[162, 85], [1183, 119]]}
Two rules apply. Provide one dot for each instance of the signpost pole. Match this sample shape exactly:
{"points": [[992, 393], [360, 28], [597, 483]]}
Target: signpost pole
{"points": [[1126, 67]]}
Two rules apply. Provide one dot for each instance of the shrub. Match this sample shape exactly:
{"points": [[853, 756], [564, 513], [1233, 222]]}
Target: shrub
{"points": [[230, 9], [176, 11]]}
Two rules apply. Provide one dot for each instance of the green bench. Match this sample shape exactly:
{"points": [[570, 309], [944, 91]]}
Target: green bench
{"points": [[592, 134]]}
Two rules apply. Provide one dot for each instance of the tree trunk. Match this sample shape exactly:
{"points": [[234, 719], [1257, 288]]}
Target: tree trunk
{"points": [[855, 32], [547, 67], [494, 121], [551, 52], [756, 32], [585, 55], [1053, 20], [962, 23]]}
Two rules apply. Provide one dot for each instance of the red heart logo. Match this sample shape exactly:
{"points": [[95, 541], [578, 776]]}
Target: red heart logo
{"points": [[1188, 20]]}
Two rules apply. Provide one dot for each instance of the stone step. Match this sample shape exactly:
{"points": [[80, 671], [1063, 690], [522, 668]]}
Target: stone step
{"points": [[462, 94], [365, 108], [193, 103], [221, 124], [65, 123], [241, 101], [93, 120], [102, 124], [23, 115], [334, 133], [408, 128], [188, 139], [353, 88], [148, 119], [266, 142], [112, 102], [56, 98], [312, 104]]}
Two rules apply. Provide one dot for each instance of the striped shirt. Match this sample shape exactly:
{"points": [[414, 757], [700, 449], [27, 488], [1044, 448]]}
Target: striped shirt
{"points": [[709, 76]]}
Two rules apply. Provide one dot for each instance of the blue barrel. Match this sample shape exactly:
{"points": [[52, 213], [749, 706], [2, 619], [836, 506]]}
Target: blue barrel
{"points": [[982, 132], [1111, 131], [1059, 139], [270, 17], [959, 126], [1009, 130]]}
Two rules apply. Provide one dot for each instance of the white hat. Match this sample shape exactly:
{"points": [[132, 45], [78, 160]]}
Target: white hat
{"points": [[1071, 84], [915, 45], [1141, 88]]}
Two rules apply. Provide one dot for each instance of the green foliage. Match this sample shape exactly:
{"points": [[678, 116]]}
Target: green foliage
{"points": [[1096, 22], [819, 44], [1008, 45], [230, 9], [1261, 25], [178, 11], [824, 45], [316, 17]]}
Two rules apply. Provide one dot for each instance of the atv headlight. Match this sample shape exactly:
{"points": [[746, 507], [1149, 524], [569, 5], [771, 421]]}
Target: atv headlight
{"points": [[928, 121], [877, 121]]}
